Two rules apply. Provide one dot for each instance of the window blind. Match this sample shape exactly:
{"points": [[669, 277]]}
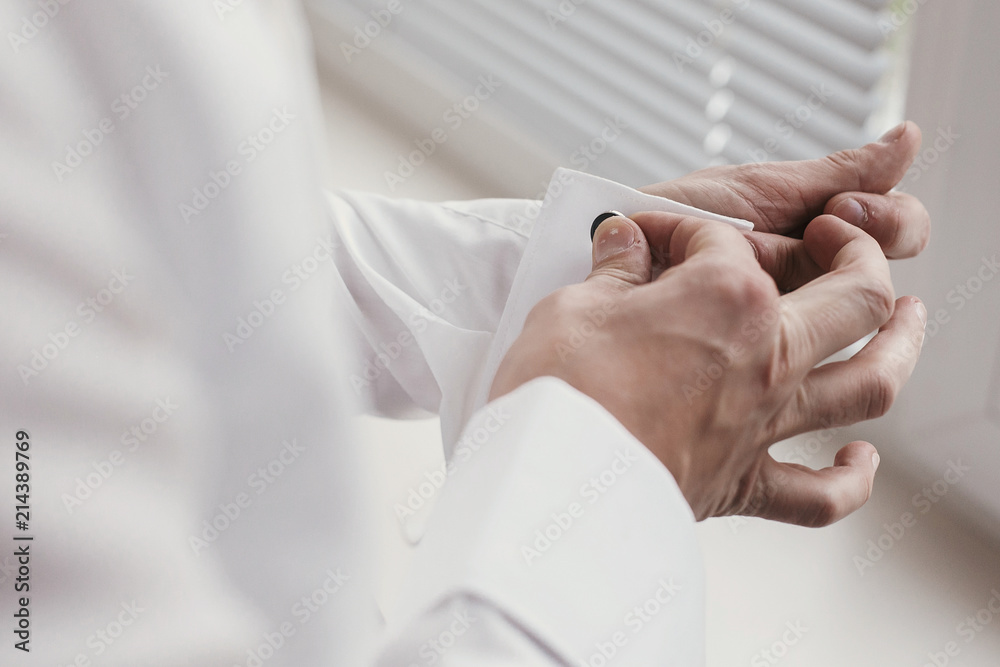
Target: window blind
{"points": [[641, 90]]}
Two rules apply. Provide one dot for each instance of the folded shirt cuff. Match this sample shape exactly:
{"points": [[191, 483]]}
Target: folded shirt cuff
{"points": [[558, 253]]}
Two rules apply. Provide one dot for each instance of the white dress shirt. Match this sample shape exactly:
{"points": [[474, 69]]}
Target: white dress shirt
{"points": [[190, 326]]}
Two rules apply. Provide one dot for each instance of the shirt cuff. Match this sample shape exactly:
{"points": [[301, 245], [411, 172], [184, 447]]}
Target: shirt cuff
{"points": [[558, 253], [558, 516]]}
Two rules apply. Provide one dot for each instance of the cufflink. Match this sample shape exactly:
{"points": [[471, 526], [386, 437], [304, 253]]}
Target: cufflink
{"points": [[601, 218]]}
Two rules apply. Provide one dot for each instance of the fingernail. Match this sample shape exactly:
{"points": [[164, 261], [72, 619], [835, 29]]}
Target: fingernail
{"points": [[875, 460], [852, 211], [922, 313], [894, 134], [614, 236], [601, 218]]}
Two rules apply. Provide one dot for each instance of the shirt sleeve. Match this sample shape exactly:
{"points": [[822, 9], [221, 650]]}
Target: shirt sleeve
{"points": [[174, 350], [439, 292], [558, 539], [427, 284]]}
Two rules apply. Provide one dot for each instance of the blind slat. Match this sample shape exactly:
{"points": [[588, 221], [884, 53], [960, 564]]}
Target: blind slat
{"points": [[697, 81]]}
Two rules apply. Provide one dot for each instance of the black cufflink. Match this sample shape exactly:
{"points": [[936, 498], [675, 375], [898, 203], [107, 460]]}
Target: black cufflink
{"points": [[601, 218]]}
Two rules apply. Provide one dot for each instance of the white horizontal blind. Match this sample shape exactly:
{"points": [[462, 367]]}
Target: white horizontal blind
{"points": [[641, 90]]}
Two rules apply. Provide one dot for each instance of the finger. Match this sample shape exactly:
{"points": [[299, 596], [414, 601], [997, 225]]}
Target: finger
{"points": [[784, 259], [898, 221], [783, 197], [814, 498], [854, 297], [864, 386], [675, 238], [874, 168], [620, 254], [787, 262]]}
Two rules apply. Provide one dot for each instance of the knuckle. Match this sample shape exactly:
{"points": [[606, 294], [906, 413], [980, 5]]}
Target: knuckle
{"points": [[760, 187], [753, 495], [789, 269], [824, 510], [553, 303], [879, 298], [879, 392], [833, 502], [558, 306], [742, 288], [848, 162], [759, 290]]}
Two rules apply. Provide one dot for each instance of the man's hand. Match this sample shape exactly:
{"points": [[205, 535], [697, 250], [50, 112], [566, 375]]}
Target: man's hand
{"points": [[710, 364], [854, 185]]}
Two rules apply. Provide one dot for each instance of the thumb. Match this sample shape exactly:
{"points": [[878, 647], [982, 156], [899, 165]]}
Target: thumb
{"points": [[782, 197], [620, 254], [874, 168]]}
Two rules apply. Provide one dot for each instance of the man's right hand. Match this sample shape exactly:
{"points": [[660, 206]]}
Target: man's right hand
{"points": [[709, 364]]}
